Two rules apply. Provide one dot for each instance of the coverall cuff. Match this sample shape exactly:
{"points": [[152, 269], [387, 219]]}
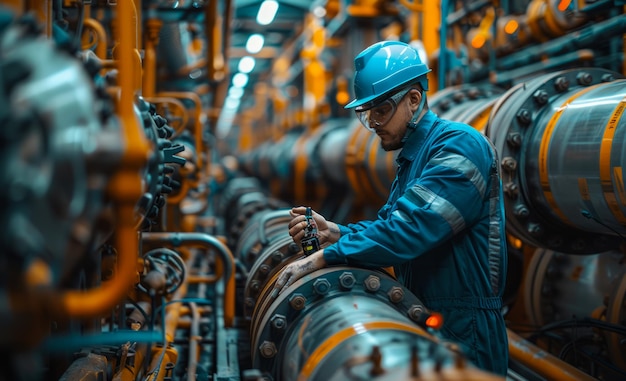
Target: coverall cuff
{"points": [[333, 257], [343, 230]]}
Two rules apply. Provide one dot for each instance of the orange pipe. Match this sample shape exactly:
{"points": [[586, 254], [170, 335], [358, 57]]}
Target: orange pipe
{"points": [[101, 35], [153, 26], [173, 312], [149, 69], [543, 362], [225, 264], [125, 187], [16, 6], [43, 11], [128, 372], [96, 302]]}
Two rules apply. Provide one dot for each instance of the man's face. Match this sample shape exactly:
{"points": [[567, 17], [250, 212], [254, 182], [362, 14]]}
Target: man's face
{"points": [[392, 132]]}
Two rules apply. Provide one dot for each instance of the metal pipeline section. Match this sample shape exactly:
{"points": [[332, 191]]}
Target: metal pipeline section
{"points": [[337, 322], [560, 138], [344, 155], [577, 303], [339, 153], [469, 103]]}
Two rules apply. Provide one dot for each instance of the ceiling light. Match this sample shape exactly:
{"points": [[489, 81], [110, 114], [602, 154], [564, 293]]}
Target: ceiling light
{"points": [[231, 103], [267, 12], [319, 12], [235, 92], [240, 80], [246, 64], [255, 43]]}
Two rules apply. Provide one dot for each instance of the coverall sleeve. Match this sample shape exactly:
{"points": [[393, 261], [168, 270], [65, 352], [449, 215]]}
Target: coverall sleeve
{"points": [[447, 198], [361, 225]]}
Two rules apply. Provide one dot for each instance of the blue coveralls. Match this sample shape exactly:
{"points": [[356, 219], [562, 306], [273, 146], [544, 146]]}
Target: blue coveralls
{"points": [[442, 229]]}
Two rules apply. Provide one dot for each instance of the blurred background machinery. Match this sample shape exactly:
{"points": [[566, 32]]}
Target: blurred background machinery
{"points": [[151, 150]]}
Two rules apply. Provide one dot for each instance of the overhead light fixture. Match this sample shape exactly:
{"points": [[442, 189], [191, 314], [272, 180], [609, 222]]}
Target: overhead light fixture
{"points": [[319, 12], [246, 64], [255, 43], [235, 92], [267, 12], [231, 103], [240, 80]]}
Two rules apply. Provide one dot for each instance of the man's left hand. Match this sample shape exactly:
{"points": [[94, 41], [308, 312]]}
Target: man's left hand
{"points": [[296, 270]]}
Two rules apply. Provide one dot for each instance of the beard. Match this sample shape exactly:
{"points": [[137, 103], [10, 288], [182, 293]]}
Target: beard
{"points": [[391, 145]]}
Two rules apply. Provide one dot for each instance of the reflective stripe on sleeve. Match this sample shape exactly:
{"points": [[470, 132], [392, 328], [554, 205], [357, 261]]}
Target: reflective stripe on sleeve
{"points": [[421, 196], [462, 165]]}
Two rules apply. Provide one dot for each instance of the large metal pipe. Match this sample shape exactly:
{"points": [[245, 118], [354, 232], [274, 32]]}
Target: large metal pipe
{"points": [[340, 153], [345, 156], [469, 103], [346, 321], [547, 365], [561, 139], [336, 322]]}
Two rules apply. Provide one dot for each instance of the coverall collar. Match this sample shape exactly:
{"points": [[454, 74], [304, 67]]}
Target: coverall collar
{"points": [[414, 144]]}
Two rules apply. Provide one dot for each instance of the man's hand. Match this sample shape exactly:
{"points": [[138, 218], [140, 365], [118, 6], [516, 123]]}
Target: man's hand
{"points": [[296, 270], [328, 231]]}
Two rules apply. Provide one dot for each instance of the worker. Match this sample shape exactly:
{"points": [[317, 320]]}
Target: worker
{"points": [[442, 227]]}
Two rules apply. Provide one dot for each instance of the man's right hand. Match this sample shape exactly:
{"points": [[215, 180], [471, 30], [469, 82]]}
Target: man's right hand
{"points": [[328, 231]]}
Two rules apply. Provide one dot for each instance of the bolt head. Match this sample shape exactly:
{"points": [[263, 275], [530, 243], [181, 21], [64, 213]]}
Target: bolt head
{"points": [[347, 280], [279, 321], [372, 283], [321, 286], [396, 294], [297, 301], [268, 349]]}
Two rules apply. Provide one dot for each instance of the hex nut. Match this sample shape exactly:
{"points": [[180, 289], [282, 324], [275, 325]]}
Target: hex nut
{"points": [[372, 283], [268, 349], [415, 312], [347, 280], [321, 286], [279, 321], [396, 294], [297, 301]]}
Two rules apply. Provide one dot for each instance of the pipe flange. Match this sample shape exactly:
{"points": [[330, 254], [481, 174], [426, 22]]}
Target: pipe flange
{"points": [[275, 256], [511, 126], [305, 294]]}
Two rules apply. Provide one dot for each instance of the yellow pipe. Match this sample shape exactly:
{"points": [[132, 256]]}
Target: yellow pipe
{"points": [[209, 25], [43, 11], [125, 187], [101, 35], [16, 6], [139, 28], [161, 358], [225, 262], [542, 362], [96, 302], [129, 373], [153, 26], [136, 62], [173, 311]]}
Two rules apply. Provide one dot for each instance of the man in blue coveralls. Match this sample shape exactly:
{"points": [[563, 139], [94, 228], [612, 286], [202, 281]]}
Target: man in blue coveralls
{"points": [[442, 227]]}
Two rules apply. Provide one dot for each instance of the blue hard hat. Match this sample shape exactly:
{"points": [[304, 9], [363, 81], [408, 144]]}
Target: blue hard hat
{"points": [[384, 68]]}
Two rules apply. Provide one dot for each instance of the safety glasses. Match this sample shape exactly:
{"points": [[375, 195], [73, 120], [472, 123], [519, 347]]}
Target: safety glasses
{"points": [[381, 113]]}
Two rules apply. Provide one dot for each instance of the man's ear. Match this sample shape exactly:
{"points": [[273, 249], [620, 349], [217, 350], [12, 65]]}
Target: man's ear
{"points": [[415, 97]]}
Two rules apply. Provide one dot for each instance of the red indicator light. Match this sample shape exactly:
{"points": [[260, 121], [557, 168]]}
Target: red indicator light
{"points": [[435, 321]]}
